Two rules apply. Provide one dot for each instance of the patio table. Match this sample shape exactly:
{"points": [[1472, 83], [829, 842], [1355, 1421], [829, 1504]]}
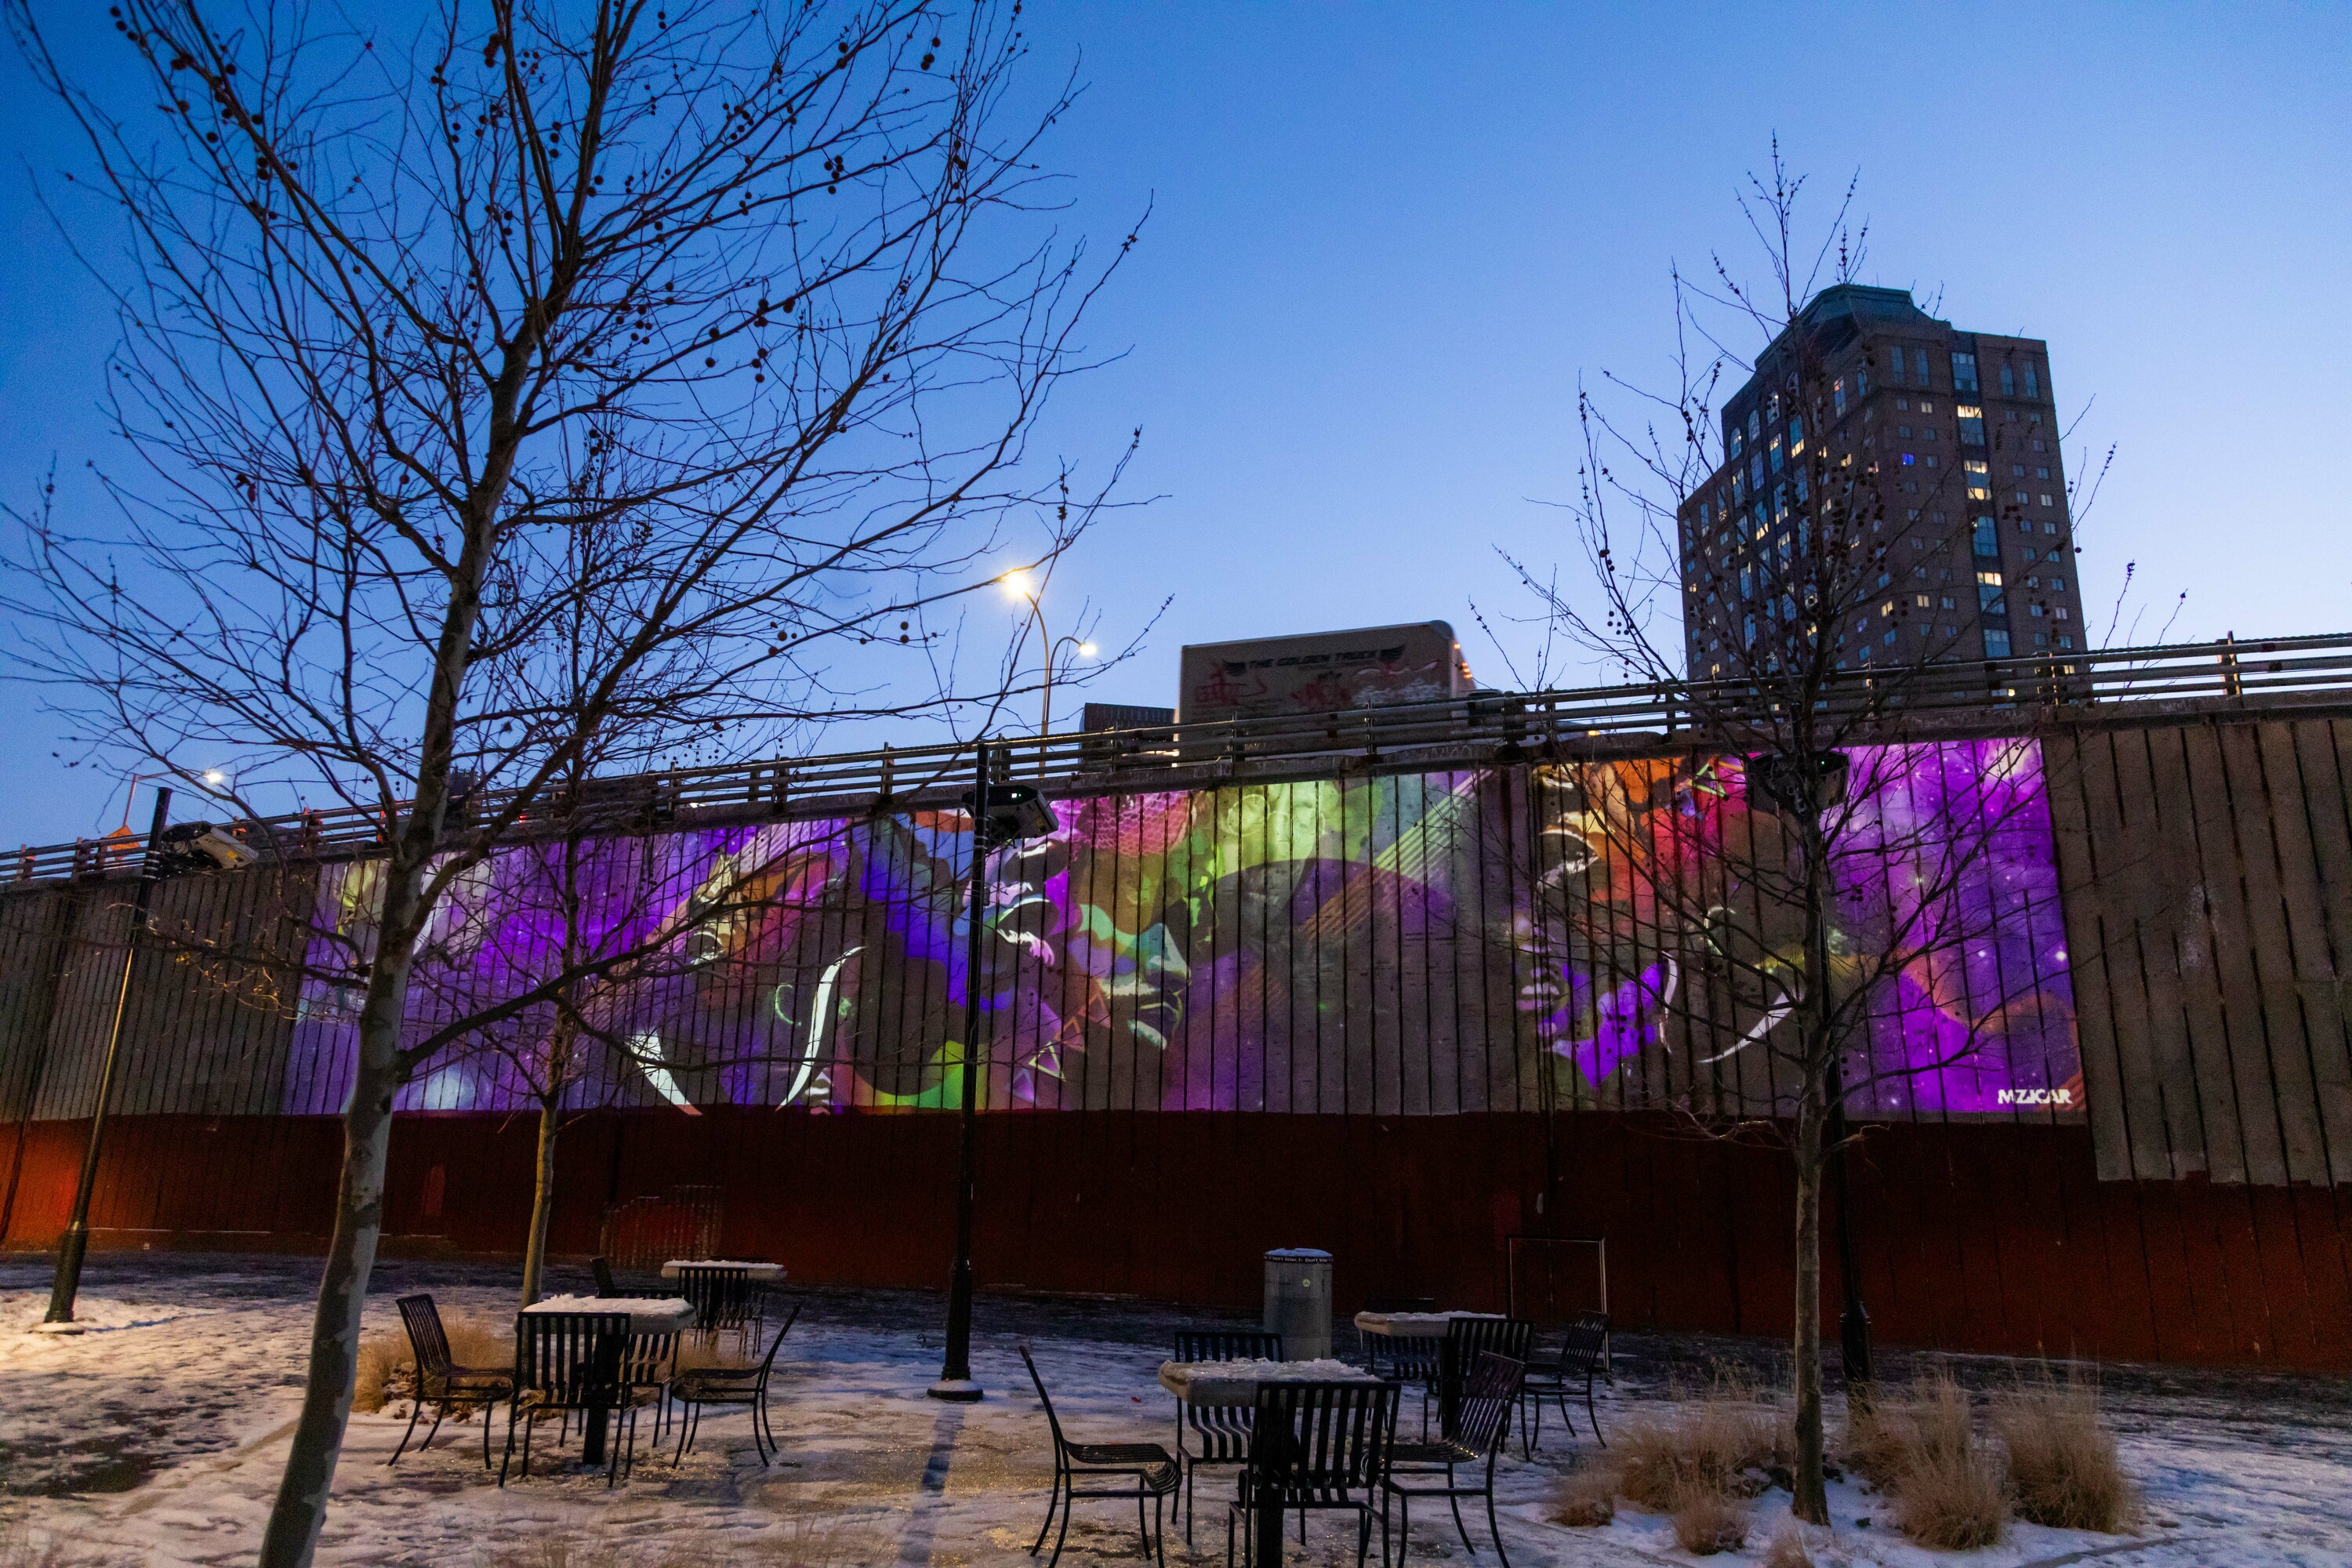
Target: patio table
{"points": [[646, 1315], [1235, 1383], [765, 1273], [1412, 1325]]}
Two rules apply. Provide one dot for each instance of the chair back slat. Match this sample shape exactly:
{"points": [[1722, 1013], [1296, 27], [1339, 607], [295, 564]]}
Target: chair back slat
{"points": [[645, 1359], [1227, 1344], [722, 1298], [1587, 1341], [570, 1358], [1488, 1396], [1320, 1442], [1222, 1344], [426, 1336]]}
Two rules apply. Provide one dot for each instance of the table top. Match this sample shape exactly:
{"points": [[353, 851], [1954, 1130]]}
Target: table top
{"points": [[1235, 1382], [1413, 1325], [751, 1267], [647, 1315]]}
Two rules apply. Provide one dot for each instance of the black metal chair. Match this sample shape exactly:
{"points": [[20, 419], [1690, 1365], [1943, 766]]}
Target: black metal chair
{"points": [[746, 1385], [1482, 1430], [726, 1301], [1149, 1472], [1315, 1448], [441, 1380], [648, 1362], [1219, 1433], [1465, 1339], [566, 1361], [1552, 1376], [1372, 1347]]}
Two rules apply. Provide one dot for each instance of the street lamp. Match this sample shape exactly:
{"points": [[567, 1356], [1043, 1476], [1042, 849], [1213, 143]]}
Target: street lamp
{"points": [[1001, 814], [1021, 585]]}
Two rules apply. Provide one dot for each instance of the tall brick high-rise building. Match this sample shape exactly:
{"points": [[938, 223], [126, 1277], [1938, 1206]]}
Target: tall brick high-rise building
{"points": [[1954, 436]]}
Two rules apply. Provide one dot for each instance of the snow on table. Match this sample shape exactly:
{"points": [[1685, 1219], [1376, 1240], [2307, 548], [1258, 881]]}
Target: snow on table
{"points": [[1413, 1325], [1235, 1382], [647, 1314], [751, 1269]]}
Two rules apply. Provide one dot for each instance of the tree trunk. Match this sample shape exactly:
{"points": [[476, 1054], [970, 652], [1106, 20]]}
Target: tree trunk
{"points": [[542, 1200], [292, 1533], [1812, 1501]]}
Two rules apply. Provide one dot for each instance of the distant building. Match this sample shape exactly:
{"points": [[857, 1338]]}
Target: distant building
{"points": [[1962, 429], [1321, 672]]}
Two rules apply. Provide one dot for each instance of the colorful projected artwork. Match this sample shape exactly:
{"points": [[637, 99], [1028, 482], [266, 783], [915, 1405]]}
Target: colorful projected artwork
{"points": [[1507, 938]]}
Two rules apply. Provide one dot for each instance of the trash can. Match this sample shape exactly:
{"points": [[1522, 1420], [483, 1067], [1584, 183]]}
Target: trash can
{"points": [[1299, 1301]]}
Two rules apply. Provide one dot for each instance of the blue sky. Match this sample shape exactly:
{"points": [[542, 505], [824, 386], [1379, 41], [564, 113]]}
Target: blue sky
{"points": [[1387, 242]]}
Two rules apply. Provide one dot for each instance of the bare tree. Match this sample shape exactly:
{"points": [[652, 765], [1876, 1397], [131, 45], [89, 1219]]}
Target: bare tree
{"points": [[558, 386], [1831, 856]]}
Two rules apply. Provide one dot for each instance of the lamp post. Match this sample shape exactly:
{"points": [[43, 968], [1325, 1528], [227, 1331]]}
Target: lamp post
{"points": [[1019, 586], [75, 1243], [1001, 814], [955, 1370]]}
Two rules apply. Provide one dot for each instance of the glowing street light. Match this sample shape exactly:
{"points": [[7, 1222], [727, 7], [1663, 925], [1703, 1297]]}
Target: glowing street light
{"points": [[1021, 585]]}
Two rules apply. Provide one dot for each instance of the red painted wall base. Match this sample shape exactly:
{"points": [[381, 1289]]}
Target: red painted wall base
{"points": [[1992, 1238]]}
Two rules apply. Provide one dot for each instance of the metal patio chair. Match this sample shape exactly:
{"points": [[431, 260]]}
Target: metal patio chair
{"points": [[726, 1301], [1315, 1448], [698, 1387], [567, 1362], [441, 1380], [1149, 1470], [1482, 1430], [1465, 1339], [1219, 1433], [1553, 1376]]}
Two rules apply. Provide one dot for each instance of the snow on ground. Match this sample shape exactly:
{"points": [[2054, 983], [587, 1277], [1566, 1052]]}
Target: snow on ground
{"points": [[157, 1438]]}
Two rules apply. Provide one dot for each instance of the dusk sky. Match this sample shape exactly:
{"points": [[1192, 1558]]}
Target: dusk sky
{"points": [[1387, 243]]}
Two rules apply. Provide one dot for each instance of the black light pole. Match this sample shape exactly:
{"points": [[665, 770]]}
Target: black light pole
{"points": [[955, 1374], [75, 1243]]}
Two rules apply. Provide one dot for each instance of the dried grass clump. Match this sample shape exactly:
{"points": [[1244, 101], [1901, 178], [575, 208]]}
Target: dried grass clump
{"points": [[387, 1371], [382, 1357], [1788, 1549], [2062, 1466], [1723, 1443], [1585, 1499], [474, 1342], [1954, 1501], [1920, 1447], [1707, 1523]]}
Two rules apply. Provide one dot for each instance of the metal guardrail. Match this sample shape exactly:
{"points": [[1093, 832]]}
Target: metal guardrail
{"points": [[2272, 672]]}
